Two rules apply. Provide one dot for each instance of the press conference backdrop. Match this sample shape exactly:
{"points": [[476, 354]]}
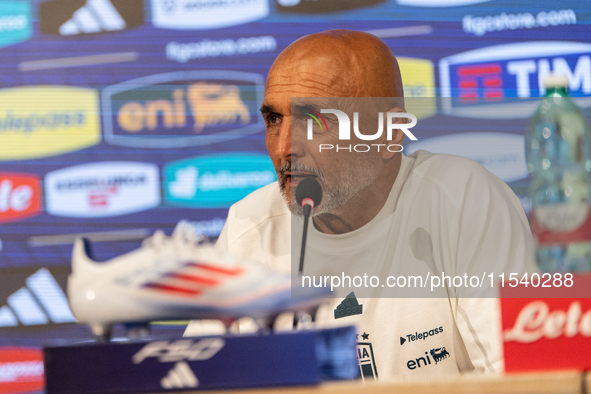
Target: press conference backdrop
{"points": [[119, 117]]}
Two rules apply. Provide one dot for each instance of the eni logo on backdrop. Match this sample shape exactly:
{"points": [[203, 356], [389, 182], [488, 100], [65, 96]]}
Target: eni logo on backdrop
{"points": [[179, 109], [41, 121], [210, 104]]}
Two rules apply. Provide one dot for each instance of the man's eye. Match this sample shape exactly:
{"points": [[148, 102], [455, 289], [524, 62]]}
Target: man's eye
{"points": [[273, 119]]}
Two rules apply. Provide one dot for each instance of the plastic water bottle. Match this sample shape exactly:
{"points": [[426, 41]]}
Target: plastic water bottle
{"points": [[558, 151]]}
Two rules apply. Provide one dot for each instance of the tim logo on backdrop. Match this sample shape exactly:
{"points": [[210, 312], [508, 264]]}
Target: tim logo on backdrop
{"points": [[179, 109], [344, 122], [505, 81]]}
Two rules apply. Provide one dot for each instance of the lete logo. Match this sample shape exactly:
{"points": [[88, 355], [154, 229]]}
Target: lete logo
{"points": [[503, 81], [216, 181], [20, 196], [102, 189], [535, 321], [179, 109], [556, 330], [21, 370], [206, 14]]}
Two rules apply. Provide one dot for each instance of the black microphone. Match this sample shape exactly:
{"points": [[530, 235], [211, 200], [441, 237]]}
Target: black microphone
{"points": [[308, 195]]}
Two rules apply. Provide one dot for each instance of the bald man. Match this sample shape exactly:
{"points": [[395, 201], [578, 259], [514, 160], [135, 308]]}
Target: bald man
{"points": [[382, 212]]}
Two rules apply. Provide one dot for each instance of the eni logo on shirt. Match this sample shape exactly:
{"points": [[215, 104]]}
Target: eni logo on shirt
{"points": [[438, 355]]}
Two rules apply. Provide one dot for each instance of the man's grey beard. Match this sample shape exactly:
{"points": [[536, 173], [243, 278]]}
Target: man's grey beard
{"points": [[335, 195]]}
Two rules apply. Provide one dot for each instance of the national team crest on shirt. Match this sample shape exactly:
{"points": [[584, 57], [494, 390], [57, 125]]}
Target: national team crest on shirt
{"points": [[366, 359]]}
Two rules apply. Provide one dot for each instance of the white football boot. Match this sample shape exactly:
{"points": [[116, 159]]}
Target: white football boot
{"points": [[177, 278]]}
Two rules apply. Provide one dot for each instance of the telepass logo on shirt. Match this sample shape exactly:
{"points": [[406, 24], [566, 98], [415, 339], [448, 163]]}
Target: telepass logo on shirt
{"points": [[316, 123]]}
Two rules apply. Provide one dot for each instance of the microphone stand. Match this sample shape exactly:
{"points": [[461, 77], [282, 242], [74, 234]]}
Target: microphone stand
{"points": [[307, 210]]}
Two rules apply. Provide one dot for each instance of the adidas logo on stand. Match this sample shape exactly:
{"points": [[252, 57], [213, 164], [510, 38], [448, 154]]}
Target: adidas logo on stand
{"points": [[348, 307], [179, 377], [42, 300]]}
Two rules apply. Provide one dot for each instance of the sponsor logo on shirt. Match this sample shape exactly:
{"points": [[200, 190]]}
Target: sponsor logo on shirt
{"points": [[102, 189], [502, 154], [421, 335], [206, 14], [437, 355], [21, 370], [319, 6], [216, 181], [482, 82], [181, 109], [76, 17], [366, 359], [15, 22], [20, 196], [41, 121], [348, 307]]}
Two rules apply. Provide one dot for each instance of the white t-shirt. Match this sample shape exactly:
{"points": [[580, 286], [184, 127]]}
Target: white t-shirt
{"points": [[445, 214]]}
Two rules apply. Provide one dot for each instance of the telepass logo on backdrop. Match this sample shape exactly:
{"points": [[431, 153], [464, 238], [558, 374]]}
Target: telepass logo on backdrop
{"points": [[41, 121]]}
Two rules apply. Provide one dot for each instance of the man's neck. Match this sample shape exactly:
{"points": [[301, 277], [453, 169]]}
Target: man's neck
{"points": [[363, 207]]}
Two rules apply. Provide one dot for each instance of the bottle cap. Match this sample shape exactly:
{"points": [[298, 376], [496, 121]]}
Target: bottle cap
{"points": [[555, 81]]}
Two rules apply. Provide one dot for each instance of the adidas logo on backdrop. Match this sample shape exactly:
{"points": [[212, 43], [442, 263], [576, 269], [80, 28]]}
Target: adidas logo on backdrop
{"points": [[75, 17], [40, 301]]}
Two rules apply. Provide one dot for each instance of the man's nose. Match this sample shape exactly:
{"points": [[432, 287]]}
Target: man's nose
{"points": [[290, 143], [284, 141], [287, 146]]}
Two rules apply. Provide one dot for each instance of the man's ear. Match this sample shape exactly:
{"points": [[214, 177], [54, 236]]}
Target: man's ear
{"points": [[397, 134]]}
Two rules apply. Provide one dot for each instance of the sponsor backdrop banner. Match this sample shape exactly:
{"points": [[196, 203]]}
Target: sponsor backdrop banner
{"points": [[119, 117]]}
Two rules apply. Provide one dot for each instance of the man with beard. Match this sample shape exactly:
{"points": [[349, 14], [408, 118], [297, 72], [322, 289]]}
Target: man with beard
{"points": [[382, 212]]}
